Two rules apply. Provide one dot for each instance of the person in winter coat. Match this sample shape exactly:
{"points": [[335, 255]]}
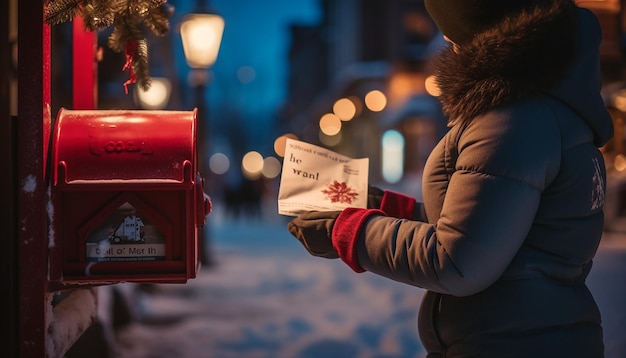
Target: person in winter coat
{"points": [[512, 213]]}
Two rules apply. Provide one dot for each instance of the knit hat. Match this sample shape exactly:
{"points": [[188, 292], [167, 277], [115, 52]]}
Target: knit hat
{"points": [[461, 20]]}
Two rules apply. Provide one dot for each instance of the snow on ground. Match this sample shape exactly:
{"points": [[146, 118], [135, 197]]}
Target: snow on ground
{"points": [[266, 297]]}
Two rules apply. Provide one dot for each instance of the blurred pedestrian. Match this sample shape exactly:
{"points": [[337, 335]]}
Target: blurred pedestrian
{"points": [[513, 194]]}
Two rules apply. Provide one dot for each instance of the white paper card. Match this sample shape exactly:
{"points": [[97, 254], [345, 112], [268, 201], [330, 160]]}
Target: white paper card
{"points": [[317, 179]]}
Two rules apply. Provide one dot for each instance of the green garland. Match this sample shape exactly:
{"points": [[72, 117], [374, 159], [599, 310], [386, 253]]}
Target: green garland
{"points": [[129, 19]]}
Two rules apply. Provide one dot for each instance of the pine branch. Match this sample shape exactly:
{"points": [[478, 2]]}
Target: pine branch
{"points": [[129, 18], [140, 65], [99, 15], [124, 29], [158, 20], [116, 40], [137, 8], [156, 3], [60, 11]]}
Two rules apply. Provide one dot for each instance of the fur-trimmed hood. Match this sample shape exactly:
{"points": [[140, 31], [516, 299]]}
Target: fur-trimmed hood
{"points": [[550, 50]]}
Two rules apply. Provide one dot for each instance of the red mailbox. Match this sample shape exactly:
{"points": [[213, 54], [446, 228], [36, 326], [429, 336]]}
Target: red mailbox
{"points": [[127, 201]]}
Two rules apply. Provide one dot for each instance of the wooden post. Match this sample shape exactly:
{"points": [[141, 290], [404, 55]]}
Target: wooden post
{"points": [[33, 125], [44, 330]]}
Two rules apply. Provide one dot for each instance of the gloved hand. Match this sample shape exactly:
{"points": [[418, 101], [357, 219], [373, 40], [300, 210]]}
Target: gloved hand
{"points": [[374, 197], [314, 229]]}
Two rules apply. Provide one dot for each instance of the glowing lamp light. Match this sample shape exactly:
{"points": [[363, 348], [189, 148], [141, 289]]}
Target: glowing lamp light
{"points": [[345, 109], [252, 165], [375, 100], [431, 86], [620, 162], [219, 163], [393, 156], [157, 96], [280, 143], [202, 36], [271, 167], [330, 124]]}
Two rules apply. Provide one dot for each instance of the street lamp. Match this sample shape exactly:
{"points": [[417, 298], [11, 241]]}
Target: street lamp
{"points": [[201, 34]]}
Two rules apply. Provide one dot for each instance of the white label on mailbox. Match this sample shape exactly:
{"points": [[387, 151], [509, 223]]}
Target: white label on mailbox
{"points": [[125, 236]]}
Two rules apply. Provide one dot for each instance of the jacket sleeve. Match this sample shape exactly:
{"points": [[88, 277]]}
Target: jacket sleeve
{"points": [[488, 209]]}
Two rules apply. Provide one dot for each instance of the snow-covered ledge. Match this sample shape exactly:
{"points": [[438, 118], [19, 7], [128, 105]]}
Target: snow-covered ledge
{"points": [[69, 319]]}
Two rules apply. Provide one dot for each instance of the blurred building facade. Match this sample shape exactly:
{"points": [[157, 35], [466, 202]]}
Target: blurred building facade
{"points": [[359, 47], [367, 45]]}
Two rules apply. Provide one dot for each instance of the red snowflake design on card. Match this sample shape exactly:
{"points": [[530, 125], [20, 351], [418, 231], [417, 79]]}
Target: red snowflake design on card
{"points": [[340, 192]]}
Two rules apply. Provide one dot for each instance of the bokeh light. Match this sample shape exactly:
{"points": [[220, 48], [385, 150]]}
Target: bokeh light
{"points": [[157, 96], [431, 86], [281, 142], [375, 101], [345, 109], [271, 167], [330, 124], [620, 162], [393, 156], [246, 74], [252, 165], [219, 163]]}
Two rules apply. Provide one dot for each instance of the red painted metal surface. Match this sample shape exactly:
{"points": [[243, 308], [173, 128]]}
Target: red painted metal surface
{"points": [[116, 173], [123, 145], [84, 66]]}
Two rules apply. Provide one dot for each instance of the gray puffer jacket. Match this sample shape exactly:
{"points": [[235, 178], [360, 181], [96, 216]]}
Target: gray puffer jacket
{"points": [[513, 195]]}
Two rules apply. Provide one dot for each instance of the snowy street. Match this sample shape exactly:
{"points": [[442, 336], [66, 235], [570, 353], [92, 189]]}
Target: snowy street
{"points": [[266, 297]]}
